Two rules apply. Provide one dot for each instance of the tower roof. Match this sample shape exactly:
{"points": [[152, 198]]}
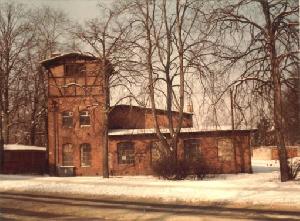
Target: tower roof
{"points": [[72, 55]]}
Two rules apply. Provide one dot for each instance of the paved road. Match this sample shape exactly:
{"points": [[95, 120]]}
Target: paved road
{"points": [[24, 207]]}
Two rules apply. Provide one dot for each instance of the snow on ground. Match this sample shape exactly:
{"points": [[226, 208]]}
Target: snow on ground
{"points": [[260, 188], [22, 147]]}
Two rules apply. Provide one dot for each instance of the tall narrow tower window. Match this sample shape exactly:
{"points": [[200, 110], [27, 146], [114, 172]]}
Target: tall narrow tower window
{"points": [[67, 154], [84, 118], [67, 119], [85, 154]]}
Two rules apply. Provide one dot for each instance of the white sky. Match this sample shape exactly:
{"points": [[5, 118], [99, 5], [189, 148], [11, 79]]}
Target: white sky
{"points": [[79, 10], [82, 10]]}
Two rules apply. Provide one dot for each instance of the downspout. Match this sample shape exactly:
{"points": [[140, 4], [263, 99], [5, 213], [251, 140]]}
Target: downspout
{"points": [[232, 132], [55, 136]]}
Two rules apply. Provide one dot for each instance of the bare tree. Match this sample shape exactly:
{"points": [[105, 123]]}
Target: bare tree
{"points": [[15, 36], [49, 29], [268, 45], [27, 36], [105, 39], [167, 34]]}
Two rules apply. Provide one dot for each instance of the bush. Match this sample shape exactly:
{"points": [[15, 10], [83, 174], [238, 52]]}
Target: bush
{"points": [[199, 168], [169, 168], [182, 169], [294, 169]]}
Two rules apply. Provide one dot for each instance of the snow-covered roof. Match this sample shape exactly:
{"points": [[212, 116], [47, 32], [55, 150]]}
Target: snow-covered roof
{"points": [[147, 108], [49, 61], [22, 147], [120, 132]]}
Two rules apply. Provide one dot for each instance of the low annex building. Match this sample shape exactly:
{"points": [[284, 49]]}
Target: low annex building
{"points": [[21, 159], [75, 128]]}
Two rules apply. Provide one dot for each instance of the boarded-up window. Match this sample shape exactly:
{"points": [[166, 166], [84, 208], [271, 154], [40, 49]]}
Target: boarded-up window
{"points": [[225, 149], [75, 70], [67, 155], [191, 149], [84, 118], [67, 119], [85, 154], [125, 153]]}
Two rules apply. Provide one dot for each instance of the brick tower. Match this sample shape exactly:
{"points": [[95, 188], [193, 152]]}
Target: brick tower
{"points": [[75, 114]]}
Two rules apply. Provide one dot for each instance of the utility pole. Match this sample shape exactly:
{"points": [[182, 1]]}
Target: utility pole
{"points": [[231, 109]]}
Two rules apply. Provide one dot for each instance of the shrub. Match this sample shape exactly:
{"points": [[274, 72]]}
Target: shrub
{"points": [[182, 169], [294, 168], [169, 168], [199, 168]]}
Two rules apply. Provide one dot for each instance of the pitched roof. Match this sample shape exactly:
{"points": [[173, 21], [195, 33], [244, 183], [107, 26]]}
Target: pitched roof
{"points": [[127, 106], [50, 61]]}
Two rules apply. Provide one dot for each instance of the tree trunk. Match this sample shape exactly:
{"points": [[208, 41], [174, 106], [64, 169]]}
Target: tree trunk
{"points": [[33, 127], [105, 145], [6, 117], [106, 107], [282, 155], [275, 75], [1, 144], [35, 104]]}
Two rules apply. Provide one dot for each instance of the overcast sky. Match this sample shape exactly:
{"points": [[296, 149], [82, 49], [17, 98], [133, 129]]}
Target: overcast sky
{"points": [[77, 10], [82, 10]]}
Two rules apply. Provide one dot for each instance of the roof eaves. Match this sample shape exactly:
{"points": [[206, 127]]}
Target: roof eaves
{"points": [[127, 132], [47, 62], [148, 108]]}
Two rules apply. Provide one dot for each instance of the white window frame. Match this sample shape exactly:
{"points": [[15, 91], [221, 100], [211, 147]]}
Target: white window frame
{"points": [[86, 113]]}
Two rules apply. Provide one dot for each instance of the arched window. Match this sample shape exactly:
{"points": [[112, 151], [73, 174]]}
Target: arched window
{"points": [[85, 155], [67, 119], [84, 118], [125, 153], [67, 154]]}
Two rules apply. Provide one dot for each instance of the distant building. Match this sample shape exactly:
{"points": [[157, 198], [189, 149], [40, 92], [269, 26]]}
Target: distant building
{"points": [[75, 127]]}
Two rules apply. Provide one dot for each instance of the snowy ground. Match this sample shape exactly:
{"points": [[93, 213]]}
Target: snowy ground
{"points": [[260, 188]]}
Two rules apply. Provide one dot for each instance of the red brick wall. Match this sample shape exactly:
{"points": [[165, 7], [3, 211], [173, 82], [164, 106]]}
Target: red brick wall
{"points": [[75, 99], [163, 120], [24, 162], [209, 150], [209, 147], [122, 117], [291, 152], [75, 102], [142, 157], [132, 117], [76, 135]]}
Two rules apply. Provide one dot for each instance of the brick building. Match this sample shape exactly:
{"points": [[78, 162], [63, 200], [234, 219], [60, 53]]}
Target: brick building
{"points": [[75, 127]]}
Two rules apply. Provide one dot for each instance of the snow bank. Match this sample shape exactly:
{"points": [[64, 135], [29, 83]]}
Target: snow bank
{"points": [[262, 187], [22, 147]]}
